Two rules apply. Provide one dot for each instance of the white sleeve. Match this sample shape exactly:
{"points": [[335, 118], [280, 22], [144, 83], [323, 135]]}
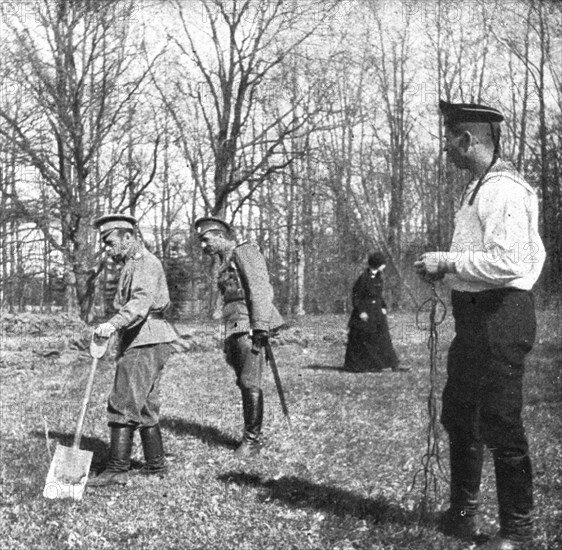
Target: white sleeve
{"points": [[505, 210]]}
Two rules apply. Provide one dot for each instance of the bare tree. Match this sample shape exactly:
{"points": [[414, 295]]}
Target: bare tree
{"points": [[69, 69], [249, 42], [543, 28]]}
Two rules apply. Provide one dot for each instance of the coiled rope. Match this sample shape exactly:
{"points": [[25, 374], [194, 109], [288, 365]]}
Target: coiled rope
{"points": [[431, 461]]}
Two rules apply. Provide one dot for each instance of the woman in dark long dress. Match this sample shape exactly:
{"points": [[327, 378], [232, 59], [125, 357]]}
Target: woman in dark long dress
{"points": [[369, 346]]}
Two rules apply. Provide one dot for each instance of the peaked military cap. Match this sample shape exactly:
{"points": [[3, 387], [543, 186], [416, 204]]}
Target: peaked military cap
{"points": [[210, 223], [110, 222], [468, 112]]}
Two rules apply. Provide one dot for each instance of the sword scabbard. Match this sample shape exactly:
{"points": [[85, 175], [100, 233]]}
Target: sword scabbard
{"points": [[270, 359]]}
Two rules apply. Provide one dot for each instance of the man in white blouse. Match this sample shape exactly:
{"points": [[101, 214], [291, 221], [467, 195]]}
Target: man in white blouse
{"points": [[495, 259]]}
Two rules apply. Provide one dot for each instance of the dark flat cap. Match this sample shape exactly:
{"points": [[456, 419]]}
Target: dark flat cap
{"points": [[468, 112], [210, 223], [110, 222]]}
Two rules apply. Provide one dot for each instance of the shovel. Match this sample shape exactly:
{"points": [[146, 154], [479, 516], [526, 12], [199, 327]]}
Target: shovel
{"points": [[69, 469]]}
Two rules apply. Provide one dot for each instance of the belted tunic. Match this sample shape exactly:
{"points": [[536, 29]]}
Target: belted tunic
{"points": [[143, 334]]}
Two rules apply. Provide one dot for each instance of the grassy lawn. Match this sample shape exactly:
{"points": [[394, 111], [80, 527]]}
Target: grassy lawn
{"points": [[340, 480]]}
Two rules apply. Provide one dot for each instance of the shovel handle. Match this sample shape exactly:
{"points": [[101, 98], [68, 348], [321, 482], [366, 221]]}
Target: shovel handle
{"points": [[84, 406]]}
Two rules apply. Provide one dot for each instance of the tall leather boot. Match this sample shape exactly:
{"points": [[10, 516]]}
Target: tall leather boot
{"points": [[252, 405], [117, 467], [514, 482], [155, 461], [466, 470]]}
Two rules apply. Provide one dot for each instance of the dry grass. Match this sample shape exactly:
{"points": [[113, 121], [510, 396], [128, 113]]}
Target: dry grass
{"points": [[340, 480]]}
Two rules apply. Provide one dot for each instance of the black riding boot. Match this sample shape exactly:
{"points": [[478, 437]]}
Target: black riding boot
{"points": [[514, 482], [252, 405], [466, 470], [117, 467], [155, 461]]}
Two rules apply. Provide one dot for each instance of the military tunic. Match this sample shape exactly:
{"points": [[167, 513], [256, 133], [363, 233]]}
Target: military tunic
{"points": [[143, 338], [243, 281]]}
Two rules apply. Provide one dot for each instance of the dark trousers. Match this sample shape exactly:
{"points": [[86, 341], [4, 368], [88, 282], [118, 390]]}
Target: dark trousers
{"points": [[247, 366], [482, 400], [135, 399], [483, 396]]}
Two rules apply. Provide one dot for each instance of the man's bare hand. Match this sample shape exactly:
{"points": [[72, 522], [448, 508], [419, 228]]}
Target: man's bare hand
{"points": [[105, 330], [433, 266]]}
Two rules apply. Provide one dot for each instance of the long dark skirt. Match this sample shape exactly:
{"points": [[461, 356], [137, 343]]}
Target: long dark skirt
{"points": [[369, 351]]}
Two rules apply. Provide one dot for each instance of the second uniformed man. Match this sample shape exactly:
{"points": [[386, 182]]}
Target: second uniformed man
{"points": [[249, 316]]}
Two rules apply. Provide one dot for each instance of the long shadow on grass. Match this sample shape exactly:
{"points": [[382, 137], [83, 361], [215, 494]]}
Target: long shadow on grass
{"points": [[208, 434], [300, 493], [97, 446], [318, 366]]}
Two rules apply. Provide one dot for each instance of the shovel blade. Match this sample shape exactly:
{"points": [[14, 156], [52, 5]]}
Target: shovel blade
{"points": [[68, 473]]}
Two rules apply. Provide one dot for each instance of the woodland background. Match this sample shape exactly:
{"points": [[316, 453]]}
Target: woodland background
{"points": [[312, 126]]}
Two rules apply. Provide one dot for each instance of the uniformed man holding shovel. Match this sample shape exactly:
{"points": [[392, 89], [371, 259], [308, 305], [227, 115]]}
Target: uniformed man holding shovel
{"points": [[143, 337], [249, 316]]}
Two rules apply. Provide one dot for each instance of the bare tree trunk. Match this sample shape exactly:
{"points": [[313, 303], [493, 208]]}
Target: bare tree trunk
{"points": [[67, 116], [300, 265], [523, 122]]}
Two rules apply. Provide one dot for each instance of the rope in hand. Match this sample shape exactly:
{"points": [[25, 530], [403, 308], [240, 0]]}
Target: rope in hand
{"points": [[431, 463]]}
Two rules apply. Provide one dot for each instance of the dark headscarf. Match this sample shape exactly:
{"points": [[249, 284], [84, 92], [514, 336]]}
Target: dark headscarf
{"points": [[376, 259]]}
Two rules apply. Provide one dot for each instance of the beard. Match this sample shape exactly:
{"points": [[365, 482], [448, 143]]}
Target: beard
{"points": [[118, 254]]}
